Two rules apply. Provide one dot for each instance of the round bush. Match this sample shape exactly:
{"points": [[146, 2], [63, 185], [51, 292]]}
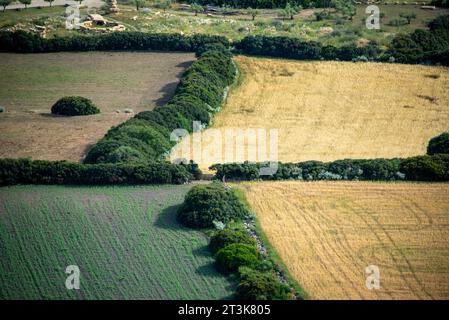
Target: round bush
{"points": [[74, 106], [258, 285], [439, 144], [226, 237], [232, 257], [204, 204]]}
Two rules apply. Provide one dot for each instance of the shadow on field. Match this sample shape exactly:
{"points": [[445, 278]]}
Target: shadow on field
{"points": [[167, 219], [169, 89], [167, 92]]}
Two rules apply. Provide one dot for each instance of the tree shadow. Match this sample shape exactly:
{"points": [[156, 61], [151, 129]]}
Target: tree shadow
{"points": [[167, 219], [202, 251], [168, 91]]}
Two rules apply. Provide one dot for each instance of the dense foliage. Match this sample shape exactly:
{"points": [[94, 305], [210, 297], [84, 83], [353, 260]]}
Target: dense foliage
{"points": [[230, 258], [423, 168], [263, 4], [22, 41], [439, 144], [427, 168], [146, 137], [25, 171], [440, 3], [235, 250], [261, 285], [205, 204], [423, 46], [228, 236], [293, 48], [74, 106]]}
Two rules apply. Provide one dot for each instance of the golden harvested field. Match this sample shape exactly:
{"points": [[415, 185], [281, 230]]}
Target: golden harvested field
{"points": [[327, 233], [335, 110]]}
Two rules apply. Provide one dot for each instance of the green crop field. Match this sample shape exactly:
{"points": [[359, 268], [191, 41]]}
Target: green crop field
{"points": [[125, 240]]}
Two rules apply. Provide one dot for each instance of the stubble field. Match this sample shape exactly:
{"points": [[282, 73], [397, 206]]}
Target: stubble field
{"points": [[335, 110], [327, 233]]}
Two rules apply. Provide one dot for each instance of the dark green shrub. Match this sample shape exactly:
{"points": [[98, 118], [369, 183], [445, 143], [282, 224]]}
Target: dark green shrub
{"points": [[439, 144], [230, 258], [99, 152], [204, 204], [427, 168], [225, 237], [259, 285], [25, 171], [74, 106], [125, 154]]}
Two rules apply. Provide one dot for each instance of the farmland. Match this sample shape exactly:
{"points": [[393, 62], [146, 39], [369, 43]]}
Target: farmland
{"points": [[115, 81], [327, 233], [125, 240], [335, 110], [147, 78], [237, 26]]}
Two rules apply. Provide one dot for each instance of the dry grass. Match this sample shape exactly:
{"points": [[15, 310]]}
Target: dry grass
{"points": [[335, 110], [327, 233], [45, 137]]}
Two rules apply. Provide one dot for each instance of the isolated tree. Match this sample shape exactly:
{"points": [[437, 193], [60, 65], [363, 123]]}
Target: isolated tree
{"points": [[253, 13], [5, 3], [408, 16], [49, 1], [197, 8], [139, 4]]}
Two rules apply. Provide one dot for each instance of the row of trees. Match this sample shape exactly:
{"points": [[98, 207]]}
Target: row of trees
{"points": [[26, 3], [266, 4], [26, 171], [423, 46]]}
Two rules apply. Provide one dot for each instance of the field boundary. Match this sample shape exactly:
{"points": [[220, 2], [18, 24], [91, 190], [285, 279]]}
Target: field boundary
{"points": [[272, 254]]}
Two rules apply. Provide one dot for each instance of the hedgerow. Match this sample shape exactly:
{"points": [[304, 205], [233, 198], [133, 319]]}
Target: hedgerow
{"points": [[427, 168], [227, 236], [22, 41], [421, 168], [235, 250], [74, 106], [261, 285], [205, 204], [293, 48], [147, 136], [26, 171], [423, 46]]}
